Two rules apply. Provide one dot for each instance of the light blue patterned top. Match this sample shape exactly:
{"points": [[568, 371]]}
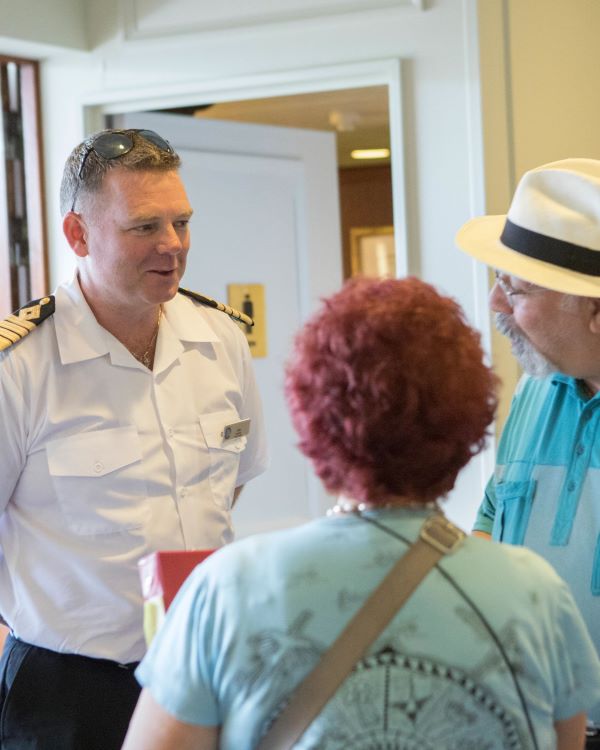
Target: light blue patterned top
{"points": [[253, 619]]}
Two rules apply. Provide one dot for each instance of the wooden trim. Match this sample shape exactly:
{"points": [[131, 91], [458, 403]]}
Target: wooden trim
{"points": [[29, 186], [34, 179], [5, 269], [365, 201], [18, 60]]}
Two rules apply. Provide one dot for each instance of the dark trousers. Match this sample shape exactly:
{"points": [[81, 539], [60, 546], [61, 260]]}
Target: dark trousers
{"points": [[51, 701]]}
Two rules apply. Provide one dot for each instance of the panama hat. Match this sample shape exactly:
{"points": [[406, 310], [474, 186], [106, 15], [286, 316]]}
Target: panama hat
{"points": [[551, 234]]}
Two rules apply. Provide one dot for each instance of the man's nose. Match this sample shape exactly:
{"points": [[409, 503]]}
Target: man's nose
{"points": [[499, 302], [169, 241]]}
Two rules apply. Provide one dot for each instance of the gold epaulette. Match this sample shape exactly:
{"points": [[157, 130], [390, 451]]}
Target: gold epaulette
{"points": [[231, 311], [24, 320]]}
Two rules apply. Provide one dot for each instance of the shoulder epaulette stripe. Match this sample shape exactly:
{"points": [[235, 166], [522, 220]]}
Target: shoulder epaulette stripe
{"points": [[5, 342], [11, 335], [210, 302], [16, 326]]}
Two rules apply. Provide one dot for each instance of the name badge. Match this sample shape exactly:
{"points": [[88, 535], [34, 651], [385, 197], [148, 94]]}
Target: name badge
{"points": [[236, 429]]}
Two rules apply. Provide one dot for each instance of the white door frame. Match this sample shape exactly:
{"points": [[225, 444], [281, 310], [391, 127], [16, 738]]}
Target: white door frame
{"points": [[286, 83]]}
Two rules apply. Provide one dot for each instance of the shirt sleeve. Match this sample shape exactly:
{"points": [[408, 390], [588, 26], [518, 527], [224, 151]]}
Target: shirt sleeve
{"points": [[254, 459], [487, 510], [576, 667], [12, 433], [177, 670]]}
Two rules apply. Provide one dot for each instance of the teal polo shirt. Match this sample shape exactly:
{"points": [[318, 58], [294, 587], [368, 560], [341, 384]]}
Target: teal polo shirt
{"points": [[545, 492]]}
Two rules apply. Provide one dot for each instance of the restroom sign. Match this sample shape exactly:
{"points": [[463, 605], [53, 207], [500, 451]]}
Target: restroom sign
{"points": [[250, 299]]}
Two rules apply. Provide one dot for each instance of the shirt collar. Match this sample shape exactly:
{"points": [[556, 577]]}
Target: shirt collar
{"points": [[574, 385], [77, 331], [183, 321], [558, 377], [80, 337], [189, 321]]}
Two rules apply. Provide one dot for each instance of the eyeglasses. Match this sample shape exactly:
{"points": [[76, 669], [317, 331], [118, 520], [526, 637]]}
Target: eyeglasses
{"points": [[510, 292], [117, 143]]}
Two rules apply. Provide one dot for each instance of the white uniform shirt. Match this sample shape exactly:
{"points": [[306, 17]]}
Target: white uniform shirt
{"points": [[104, 461]]}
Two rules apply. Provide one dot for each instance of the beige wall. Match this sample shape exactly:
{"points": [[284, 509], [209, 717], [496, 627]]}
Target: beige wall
{"points": [[540, 73], [555, 62]]}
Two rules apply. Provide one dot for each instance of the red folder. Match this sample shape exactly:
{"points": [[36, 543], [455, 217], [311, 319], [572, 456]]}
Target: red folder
{"points": [[162, 574]]}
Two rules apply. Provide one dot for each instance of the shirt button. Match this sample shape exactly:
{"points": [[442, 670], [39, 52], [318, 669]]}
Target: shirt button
{"points": [[182, 492], [579, 450], [571, 486], [170, 432], [98, 466]]}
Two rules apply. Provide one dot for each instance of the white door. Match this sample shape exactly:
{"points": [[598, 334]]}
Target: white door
{"points": [[266, 211]]}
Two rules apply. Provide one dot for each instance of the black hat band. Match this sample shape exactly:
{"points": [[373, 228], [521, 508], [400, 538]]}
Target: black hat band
{"points": [[551, 250]]}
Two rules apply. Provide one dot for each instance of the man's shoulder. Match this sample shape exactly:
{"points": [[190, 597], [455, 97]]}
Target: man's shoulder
{"points": [[23, 321], [540, 406], [533, 392], [530, 384]]}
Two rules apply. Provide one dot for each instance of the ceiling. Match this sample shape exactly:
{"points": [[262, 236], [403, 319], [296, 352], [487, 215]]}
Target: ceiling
{"points": [[359, 117]]}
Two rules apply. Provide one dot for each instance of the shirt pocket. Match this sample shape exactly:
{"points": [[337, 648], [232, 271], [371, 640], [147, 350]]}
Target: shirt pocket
{"points": [[513, 508], [98, 480], [224, 455]]}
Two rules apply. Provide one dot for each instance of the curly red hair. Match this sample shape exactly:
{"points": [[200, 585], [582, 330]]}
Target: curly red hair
{"points": [[388, 390]]}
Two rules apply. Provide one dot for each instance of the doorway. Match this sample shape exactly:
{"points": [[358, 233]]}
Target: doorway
{"points": [[359, 120], [387, 73]]}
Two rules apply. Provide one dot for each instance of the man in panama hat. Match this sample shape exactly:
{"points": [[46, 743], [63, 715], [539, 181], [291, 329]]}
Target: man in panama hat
{"points": [[545, 491]]}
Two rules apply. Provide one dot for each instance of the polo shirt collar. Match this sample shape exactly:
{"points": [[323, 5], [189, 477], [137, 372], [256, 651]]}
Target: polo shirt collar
{"points": [[558, 377], [573, 385]]}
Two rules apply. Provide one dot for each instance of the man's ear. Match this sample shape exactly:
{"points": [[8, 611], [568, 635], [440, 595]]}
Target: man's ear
{"points": [[594, 314], [75, 231]]}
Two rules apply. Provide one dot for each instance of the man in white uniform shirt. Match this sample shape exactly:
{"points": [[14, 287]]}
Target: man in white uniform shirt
{"points": [[115, 399]]}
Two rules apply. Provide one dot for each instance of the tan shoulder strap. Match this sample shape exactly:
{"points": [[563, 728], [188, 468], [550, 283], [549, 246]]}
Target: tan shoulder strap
{"points": [[437, 537]]}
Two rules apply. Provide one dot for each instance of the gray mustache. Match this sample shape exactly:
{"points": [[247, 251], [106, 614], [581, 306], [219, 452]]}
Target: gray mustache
{"points": [[527, 355]]}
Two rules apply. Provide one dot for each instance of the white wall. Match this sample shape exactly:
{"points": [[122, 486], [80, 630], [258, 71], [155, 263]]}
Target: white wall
{"points": [[59, 23], [442, 183], [439, 134]]}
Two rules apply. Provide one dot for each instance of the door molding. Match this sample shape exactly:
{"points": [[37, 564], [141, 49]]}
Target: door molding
{"points": [[136, 27]]}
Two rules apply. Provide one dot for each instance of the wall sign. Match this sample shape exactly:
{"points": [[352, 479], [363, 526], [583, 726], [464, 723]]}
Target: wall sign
{"points": [[373, 252], [250, 299]]}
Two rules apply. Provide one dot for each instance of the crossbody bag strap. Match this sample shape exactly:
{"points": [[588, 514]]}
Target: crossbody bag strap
{"points": [[436, 538]]}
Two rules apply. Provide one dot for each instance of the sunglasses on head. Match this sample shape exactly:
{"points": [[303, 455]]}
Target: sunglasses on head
{"points": [[117, 143]]}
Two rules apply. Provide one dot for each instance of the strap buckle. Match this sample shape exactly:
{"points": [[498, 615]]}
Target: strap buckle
{"points": [[441, 534]]}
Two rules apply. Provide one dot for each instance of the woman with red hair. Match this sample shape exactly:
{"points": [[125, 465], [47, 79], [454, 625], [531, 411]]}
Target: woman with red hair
{"points": [[390, 396]]}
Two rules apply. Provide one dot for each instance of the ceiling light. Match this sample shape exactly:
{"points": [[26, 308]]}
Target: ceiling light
{"points": [[370, 153], [344, 122]]}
